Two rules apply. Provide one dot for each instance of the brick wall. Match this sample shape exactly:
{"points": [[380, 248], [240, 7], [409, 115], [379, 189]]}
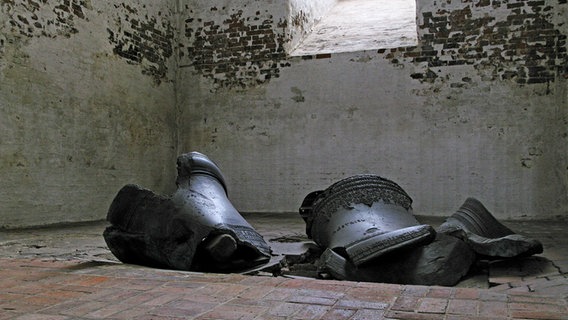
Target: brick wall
{"points": [[520, 41], [234, 46]]}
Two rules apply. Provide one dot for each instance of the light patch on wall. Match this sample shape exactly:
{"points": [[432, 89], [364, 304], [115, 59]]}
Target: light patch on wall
{"points": [[356, 25]]}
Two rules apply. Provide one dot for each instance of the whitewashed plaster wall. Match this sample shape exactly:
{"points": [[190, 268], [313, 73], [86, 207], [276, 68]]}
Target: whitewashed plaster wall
{"points": [[444, 120], [86, 106]]}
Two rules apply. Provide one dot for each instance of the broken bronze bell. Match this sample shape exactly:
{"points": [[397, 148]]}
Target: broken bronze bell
{"points": [[366, 226], [197, 228], [490, 239]]}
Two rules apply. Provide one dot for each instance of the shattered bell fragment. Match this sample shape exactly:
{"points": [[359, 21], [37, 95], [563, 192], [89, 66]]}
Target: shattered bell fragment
{"points": [[197, 228], [368, 232]]}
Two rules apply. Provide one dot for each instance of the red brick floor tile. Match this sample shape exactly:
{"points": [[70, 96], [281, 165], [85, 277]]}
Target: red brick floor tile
{"points": [[211, 288], [193, 308], [360, 304], [255, 292], [159, 317], [199, 297], [492, 308], [338, 287], [555, 308], [415, 291], [466, 293], [43, 301], [285, 309], [115, 294], [470, 317], [80, 290], [405, 303], [143, 284], [432, 305], [108, 310], [5, 297], [161, 299], [492, 296], [263, 281], [321, 293], [182, 285], [544, 315], [311, 300], [231, 290], [463, 307], [233, 312], [339, 314], [279, 294], [393, 314], [84, 308], [63, 293], [534, 299], [294, 283], [136, 312], [367, 314], [439, 292], [34, 316], [370, 294], [167, 313], [21, 306], [312, 312], [61, 308], [89, 281], [254, 302]]}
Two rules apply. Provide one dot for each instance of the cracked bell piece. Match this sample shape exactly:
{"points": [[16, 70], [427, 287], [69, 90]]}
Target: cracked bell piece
{"points": [[443, 262], [363, 217], [490, 239], [197, 228]]}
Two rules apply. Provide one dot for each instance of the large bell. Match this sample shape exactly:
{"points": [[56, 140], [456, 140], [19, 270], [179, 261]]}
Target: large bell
{"points": [[197, 228], [362, 218]]}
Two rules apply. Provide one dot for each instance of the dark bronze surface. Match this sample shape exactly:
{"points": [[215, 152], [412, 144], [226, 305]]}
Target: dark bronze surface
{"points": [[197, 228]]}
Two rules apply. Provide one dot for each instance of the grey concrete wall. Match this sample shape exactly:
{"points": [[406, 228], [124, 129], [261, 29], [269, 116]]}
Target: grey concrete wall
{"points": [[478, 108], [86, 106]]}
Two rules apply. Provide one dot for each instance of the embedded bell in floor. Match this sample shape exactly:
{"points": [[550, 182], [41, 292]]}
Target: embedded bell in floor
{"points": [[197, 228], [368, 232], [363, 217]]}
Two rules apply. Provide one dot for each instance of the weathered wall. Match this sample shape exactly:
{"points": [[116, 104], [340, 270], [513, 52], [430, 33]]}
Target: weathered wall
{"points": [[478, 108], [96, 95], [86, 106]]}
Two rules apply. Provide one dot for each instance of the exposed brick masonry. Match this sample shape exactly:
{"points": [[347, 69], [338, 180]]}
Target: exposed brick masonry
{"points": [[142, 40], [237, 53], [523, 46], [137, 37], [44, 18]]}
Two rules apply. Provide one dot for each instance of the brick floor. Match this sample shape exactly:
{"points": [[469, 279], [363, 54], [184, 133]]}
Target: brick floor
{"points": [[72, 280], [52, 289]]}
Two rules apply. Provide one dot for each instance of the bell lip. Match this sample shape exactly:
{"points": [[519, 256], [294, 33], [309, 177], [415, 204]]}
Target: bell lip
{"points": [[364, 250]]}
